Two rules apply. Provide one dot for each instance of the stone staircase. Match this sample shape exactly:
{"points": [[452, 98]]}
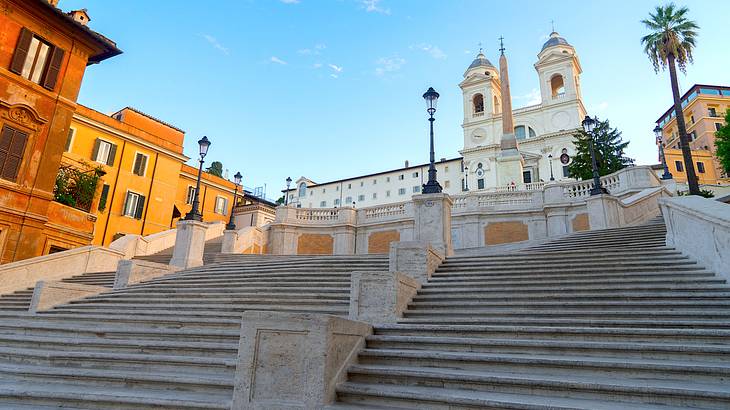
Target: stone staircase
{"points": [[607, 319], [212, 247], [20, 300], [169, 343]]}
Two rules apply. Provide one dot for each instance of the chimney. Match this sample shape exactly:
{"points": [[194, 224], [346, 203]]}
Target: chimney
{"points": [[407, 163], [442, 160], [80, 16]]}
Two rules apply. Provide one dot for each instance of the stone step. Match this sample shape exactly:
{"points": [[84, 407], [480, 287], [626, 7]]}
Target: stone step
{"points": [[239, 286], [719, 323], [582, 333], [628, 295], [45, 395], [232, 312], [626, 390], [582, 313], [10, 320], [480, 283], [596, 260], [576, 269], [554, 365], [455, 277], [647, 350], [619, 304], [452, 397], [603, 289], [216, 298], [576, 254], [143, 293]]}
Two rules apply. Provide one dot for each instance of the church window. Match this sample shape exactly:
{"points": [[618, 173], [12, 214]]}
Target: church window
{"points": [[361, 198], [532, 133], [566, 171], [387, 193], [520, 132], [362, 183], [480, 183], [557, 85], [348, 199], [323, 204], [416, 189], [400, 177], [337, 202], [527, 176], [478, 103], [387, 179], [349, 186], [401, 191], [375, 195], [375, 181], [479, 165], [302, 190], [415, 175]]}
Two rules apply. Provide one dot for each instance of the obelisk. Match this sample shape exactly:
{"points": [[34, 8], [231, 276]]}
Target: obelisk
{"points": [[509, 161]]}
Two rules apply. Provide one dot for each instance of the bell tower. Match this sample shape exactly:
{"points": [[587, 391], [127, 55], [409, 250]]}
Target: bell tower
{"points": [[559, 71], [482, 100]]}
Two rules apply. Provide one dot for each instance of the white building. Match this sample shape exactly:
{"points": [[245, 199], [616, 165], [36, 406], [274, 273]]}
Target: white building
{"points": [[541, 130]]}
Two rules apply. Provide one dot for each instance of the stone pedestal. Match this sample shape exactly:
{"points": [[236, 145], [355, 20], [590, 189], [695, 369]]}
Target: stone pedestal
{"points": [[230, 242], [509, 168], [432, 221], [603, 211], [380, 297], [189, 244], [415, 259], [130, 272]]}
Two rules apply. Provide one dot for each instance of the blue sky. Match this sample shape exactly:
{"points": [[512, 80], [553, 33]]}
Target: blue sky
{"points": [[332, 88]]}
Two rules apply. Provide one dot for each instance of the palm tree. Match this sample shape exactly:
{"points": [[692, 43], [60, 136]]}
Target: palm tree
{"points": [[670, 43]]}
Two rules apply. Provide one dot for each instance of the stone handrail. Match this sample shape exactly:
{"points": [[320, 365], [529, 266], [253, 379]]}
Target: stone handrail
{"points": [[624, 181], [383, 213], [24, 274], [137, 245], [317, 215], [250, 239]]}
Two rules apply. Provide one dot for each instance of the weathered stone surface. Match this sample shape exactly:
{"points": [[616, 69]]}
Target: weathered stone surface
{"points": [[580, 223], [699, 227], [414, 258], [505, 232], [189, 244], [380, 297], [134, 271], [315, 244], [47, 295], [379, 242], [293, 360], [432, 221], [250, 239]]}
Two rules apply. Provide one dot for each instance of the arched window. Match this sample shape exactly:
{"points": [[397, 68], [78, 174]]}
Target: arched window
{"points": [[496, 105], [478, 102], [520, 132], [302, 190], [532, 133], [557, 85]]}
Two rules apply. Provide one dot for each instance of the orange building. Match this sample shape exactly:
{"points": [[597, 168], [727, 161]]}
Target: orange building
{"points": [[216, 195], [44, 53], [703, 161], [704, 108]]}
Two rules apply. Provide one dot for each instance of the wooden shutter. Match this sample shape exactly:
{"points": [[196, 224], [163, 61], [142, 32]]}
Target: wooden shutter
{"points": [[140, 207], [112, 154], [21, 51], [95, 151], [69, 137], [104, 196], [12, 146], [54, 67]]}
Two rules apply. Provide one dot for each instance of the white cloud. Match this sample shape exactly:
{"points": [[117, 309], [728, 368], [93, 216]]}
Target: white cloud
{"points": [[277, 60], [388, 65], [317, 65], [602, 106], [531, 98], [432, 50], [320, 46], [312, 51], [305, 51], [289, 1], [214, 42], [467, 51], [334, 76], [373, 6], [338, 69]]}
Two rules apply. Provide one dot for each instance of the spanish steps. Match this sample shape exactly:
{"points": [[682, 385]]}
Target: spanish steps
{"points": [[597, 320]]}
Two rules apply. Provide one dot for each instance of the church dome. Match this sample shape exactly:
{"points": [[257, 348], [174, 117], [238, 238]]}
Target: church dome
{"points": [[555, 40], [480, 61]]}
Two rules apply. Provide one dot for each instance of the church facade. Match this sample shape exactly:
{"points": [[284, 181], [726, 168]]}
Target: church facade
{"points": [[503, 147]]}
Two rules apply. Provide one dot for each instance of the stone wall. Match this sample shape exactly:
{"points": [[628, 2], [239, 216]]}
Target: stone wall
{"points": [[379, 242], [315, 244], [496, 233]]}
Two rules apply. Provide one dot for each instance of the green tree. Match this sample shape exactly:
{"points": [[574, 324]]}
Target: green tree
{"points": [[722, 143], [215, 168], [669, 44], [609, 148], [280, 201]]}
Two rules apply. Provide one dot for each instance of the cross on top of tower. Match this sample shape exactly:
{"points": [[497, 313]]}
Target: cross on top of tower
{"points": [[480, 47], [552, 24], [501, 44]]}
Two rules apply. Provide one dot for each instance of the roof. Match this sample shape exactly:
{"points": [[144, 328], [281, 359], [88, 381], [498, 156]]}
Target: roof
{"points": [[150, 117], [555, 40], [684, 96], [480, 61], [109, 46], [377, 173]]}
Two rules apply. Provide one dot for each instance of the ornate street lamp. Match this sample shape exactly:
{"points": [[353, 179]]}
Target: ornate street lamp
{"points": [[237, 181], [550, 158], [432, 186], [286, 196], [466, 178], [589, 124], [194, 214], [660, 142]]}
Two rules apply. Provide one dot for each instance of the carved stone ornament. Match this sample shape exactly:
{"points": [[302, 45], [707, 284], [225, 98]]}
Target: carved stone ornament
{"points": [[22, 115]]}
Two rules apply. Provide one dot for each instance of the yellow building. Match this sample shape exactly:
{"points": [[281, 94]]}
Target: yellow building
{"points": [[145, 188], [703, 161], [704, 108]]}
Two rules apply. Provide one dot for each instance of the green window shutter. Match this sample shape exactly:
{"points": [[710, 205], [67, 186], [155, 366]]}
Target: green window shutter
{"points": [[140, 207], [21, 51], [95, 151], [135, 168], [112, 154], [103, 198], [54, 67], [143, 165]]}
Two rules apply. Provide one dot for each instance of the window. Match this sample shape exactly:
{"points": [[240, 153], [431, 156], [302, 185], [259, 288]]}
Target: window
{"points": [[532, 133], [361, 198], [557, 85], [463, 184], [348, 199], [416, 189], [349, 186], [104, 152], [323, 204], [70, 139], [337, 188], [566, 171], [478, 102], [337, 202], [712, 112], [480, 183], [401, 177], [447, 184], [527, 176], [691, 119], [415, 175], [36, 60], [103, 198], [140, 164], [701, 167], [401, 191], [387, 193], [12, 147], [718, 126], [375, 181], [311, 193], [324, 190], [446, 168], [387, 179], [520, 132], [679, 166], [221, 205], [362, 183], [190, 196], [375, 195], [693, 135], [302, 190], [134, 205]]}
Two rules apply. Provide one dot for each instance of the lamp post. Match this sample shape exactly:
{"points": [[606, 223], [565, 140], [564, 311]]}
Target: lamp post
{"points": [[432, 186], [236, 180], [194, 214], [550, 158], [589, 124], [466, 178], [660, 142], [286, 196]]}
